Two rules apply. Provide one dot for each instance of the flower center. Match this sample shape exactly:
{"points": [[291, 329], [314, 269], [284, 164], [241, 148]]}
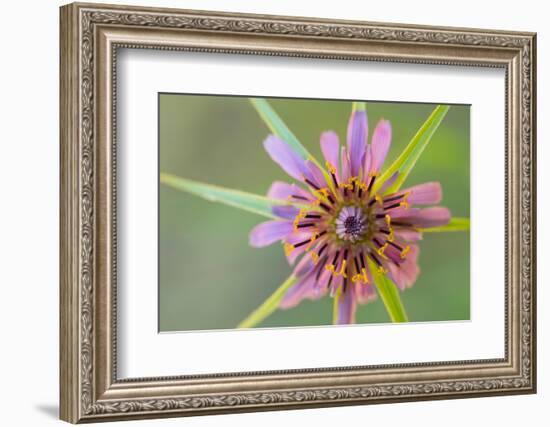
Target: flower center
{"points": [[351, 223]]}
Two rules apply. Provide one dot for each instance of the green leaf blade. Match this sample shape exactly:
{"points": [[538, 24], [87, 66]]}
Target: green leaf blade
{"points": [[359, 106], [238, 199], [278, 127], [268, 306], [455, 224], [412, 152], [389, 294]]}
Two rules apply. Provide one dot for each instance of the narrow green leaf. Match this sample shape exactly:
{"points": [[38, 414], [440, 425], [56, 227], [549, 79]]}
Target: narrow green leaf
{"points": [[268, 306], [408, 158], [455, 224], [359, 106], [390, 295], [278, 127], [335, 305], [238, 199]]}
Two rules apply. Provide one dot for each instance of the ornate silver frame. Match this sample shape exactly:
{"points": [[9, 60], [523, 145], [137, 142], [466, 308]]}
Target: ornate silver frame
{"points": [[90, 36]]}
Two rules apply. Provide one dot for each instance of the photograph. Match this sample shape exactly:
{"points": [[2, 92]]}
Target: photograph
{"points": [[287, 212], [263, 210]]}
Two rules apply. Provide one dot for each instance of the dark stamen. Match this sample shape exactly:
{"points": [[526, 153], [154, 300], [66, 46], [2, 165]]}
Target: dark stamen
{"points": [[360, 192], [307, 224], [395, 205], [329, 281], [401, 223], [313, 216], [299, 197], [396, 246], [362, 260], [391, 199], [378, 216], [325, 207], [334, 180], [372, 202], [375, 258], [320, 269], [345, 283], [335, 258], [330, 198], [377, 242], [322, 249], [297, 245], [371, 183], [311, 184], [321, 233], [385, 232], [356, 264]]}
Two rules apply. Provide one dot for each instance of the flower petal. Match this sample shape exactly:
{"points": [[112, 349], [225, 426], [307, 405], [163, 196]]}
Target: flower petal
{"points": [[286, 212], [406, 273], [425, 218], [304, 266], [367, 160], [304, 289], [387, 184], [285, 157], [357, 139], [317, 174], [346, 307], [428, 193], [269, 232], [381, 140], [283, 191], [294, 238], [330, 146], [365, 292], [346, 167], [408, 235]]}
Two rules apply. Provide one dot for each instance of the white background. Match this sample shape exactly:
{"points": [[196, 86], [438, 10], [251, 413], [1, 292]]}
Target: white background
{"points": [[29, 170], [145, 353]]}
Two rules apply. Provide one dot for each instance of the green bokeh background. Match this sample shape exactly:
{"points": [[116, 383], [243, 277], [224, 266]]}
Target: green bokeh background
{"points": [[210, 278]]}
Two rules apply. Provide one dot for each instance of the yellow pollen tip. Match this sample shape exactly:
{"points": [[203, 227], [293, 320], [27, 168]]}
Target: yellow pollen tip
{"points": [[342, 271], [310, 244], [288, 247], [379, 199], [405, 251], [382, 249], [365, 277], [314, 257], [330, 268], [381, 270], [321, 192], [331, 168]]}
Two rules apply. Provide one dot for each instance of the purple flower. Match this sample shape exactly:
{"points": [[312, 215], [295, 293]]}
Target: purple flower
{"points": [[349, 227]]}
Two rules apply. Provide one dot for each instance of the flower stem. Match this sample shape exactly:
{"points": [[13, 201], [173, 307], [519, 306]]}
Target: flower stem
{"points": [[268, 306]]}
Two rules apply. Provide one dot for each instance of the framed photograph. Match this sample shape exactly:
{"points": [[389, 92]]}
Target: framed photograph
{"points": [[265, 212]]}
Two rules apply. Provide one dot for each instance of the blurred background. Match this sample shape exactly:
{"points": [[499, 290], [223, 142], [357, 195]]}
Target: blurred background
{"points": [[210, 278]]}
